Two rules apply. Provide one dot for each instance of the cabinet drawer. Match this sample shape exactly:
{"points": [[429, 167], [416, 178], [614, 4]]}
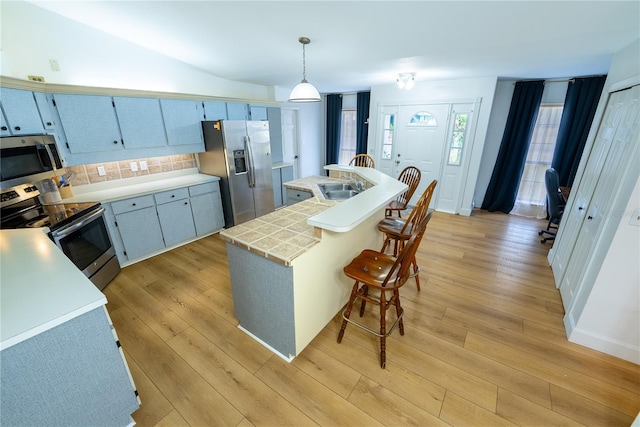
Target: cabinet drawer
{"points": [[298, 195], [172, 195], [132, 204], [209, 187]]}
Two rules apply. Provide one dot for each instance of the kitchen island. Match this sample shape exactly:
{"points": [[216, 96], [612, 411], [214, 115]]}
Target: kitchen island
{"points": [[60, 362], [286, 267]]}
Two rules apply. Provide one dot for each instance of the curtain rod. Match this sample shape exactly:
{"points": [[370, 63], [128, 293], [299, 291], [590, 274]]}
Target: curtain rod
{"points": [[559, 81]]}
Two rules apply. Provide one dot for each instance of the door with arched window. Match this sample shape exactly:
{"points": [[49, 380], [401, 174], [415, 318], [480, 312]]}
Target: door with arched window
{"points": [[421, 132]]}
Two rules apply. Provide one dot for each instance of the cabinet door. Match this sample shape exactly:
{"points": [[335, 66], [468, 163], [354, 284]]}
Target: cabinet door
{"points": [[21, 112], [4, 127], [183, 121], [176, 221], [140, 121], [140, 232], [277, 188], [207, 213], [89, 122], [215, 110], [257, 112], [237, 111], [44, 108]]}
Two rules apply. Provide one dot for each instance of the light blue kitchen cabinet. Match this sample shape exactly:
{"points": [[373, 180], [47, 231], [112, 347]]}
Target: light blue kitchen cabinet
{"points": [[140, 121], [4, 127], [237, 111], [89, 123], [206, 207], [277, 188], [48, 119], [21, 112], [174, 212], [274, 117], [257, 112], [215, 110], [138, 225], [183, 121]]}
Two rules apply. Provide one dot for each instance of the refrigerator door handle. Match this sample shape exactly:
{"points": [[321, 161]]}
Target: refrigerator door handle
{"points": [[250, 170]]}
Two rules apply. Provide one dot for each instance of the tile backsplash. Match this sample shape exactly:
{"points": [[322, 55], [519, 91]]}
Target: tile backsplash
{"points": [[88, 174]]}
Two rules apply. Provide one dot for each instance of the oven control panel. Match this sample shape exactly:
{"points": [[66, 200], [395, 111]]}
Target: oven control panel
{"points": [[18, 193]]}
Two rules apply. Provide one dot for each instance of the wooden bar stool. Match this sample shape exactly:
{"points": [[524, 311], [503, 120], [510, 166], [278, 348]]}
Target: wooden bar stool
{"points": [[374, 270], [410, 176], [399, 230], [363, 160]]}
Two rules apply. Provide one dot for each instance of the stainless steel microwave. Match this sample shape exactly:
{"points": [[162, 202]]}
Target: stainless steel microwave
{"points": [[28, 155]]}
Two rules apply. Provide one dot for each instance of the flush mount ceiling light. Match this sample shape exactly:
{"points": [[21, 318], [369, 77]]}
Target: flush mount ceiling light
{"points": [[304, 91], [406, 80]]}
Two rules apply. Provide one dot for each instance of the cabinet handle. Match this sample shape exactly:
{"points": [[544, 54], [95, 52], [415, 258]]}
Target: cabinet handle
{"points": [[3, 128], [49, 124], [173, 195], [186, 203], [17, 128], [115, 142], [589, 217], [580, 208], [133, 204]]}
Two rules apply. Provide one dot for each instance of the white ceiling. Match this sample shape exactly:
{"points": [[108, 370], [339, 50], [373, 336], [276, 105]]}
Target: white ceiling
{"points": [[359, 44]]}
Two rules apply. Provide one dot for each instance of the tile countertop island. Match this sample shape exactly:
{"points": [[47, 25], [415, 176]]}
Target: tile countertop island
{"points": [[286, 266]]}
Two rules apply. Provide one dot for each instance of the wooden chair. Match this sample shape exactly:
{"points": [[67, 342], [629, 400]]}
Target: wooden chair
{"points": [[363, 160], [399, 230], [385, 274], [410, 176]]}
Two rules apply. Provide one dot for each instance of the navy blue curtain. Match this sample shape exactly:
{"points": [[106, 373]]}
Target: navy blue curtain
{"points": [[505, 180], [580, 106], [362, 122], [334, 119]]}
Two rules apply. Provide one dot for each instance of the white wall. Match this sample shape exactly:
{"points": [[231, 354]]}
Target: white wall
{"points": [[450, 91], [31, 36]]}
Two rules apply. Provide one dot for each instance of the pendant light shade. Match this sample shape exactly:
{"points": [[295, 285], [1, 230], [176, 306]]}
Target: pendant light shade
{"points": [[304, 91]]}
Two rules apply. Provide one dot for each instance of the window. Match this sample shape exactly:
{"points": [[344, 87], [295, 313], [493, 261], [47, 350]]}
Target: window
{"points": [[423, 118], [457, 138], [347, 137], [387, 135], [532, 194]]}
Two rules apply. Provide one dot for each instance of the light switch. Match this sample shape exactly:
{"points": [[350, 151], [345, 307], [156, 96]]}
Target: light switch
{"points": [[134, 166], [101, 171], [635, 218], [143, 165]]}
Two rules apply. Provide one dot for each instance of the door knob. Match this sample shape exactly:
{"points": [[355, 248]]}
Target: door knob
{"points": [[397, 162]]}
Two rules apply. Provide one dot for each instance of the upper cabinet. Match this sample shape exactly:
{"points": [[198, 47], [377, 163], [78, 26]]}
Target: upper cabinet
{"points": [[257, 112], [182, 120], [237, 111], [215, 110], [140, 121], [21, 115], [89, 123]]}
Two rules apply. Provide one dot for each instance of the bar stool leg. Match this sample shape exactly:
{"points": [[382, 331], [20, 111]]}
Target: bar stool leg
{"points": [[383, 330], [363, 302], [399, 310], [347, 311]]}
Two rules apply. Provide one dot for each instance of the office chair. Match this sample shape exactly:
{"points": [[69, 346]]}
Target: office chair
{"points": [[555, 204]]}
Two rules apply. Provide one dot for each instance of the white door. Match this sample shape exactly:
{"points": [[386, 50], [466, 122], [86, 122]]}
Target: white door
{"points": [[421, 137], [290, 139], [620, 131]]}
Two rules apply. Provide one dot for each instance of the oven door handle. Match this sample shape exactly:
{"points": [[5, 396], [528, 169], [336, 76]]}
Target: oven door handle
{"points": [[65, 231]]}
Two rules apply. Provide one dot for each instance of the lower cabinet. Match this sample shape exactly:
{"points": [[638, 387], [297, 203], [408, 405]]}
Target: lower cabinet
{"points": [[294, 196], [138, 226], [206, 208], [174, 211], [146, 225]]}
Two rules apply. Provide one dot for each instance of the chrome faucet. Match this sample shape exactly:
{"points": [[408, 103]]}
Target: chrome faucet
{"points": [[359, 185]]}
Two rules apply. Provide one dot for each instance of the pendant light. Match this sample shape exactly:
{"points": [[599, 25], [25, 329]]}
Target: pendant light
{"points": [[405, 80], [304, 91]]}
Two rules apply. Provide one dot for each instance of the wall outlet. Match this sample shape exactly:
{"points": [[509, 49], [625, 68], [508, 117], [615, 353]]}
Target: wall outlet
{"points": [[101, 171], [143, 165], [134, 166], [36, 78], [635, 218]]}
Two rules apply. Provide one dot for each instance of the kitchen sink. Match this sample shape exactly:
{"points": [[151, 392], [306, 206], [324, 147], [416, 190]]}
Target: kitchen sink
{"points": [[338, 191]]}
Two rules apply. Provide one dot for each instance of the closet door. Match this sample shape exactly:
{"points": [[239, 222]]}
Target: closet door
{"points": [[593, 214]]}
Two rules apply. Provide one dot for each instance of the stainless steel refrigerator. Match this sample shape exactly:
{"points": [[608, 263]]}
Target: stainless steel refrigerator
{"points": [[239, 152]]}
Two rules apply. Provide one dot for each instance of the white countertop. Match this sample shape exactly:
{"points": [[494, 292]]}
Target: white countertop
{"points": [[346, 215], [109, 191], [40, 288]]}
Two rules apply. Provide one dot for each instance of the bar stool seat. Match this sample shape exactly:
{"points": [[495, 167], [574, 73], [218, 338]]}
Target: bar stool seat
{"points": [[373, 270], [399, 230]]}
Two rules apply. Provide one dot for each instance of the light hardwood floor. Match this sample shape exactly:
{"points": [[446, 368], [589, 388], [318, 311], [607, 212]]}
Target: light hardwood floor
{"points": [[484, 345]]}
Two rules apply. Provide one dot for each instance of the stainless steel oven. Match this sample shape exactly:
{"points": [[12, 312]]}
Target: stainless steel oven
{"points": [[78, 229]]}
